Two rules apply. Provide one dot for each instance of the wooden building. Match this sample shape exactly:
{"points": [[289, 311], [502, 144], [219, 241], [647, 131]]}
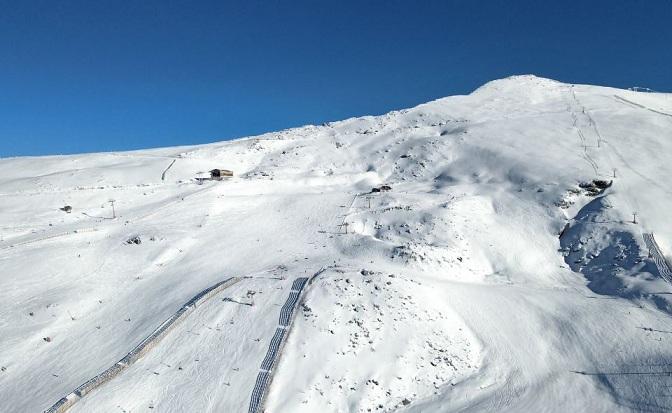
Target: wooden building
{"points": [[220, 173]]}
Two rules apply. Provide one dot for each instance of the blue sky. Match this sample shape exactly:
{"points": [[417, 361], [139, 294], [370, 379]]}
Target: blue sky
{"points": [[84, 76]]}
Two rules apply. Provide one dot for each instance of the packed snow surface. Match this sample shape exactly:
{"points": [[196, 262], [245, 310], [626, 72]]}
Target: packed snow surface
{"points": [[497, 266]]}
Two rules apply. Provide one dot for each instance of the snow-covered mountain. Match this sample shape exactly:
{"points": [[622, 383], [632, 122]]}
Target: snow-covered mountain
{"points": [[496, 266]]}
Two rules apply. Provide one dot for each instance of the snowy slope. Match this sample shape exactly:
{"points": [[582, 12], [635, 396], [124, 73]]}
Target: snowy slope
{"points": [[453, 291]]}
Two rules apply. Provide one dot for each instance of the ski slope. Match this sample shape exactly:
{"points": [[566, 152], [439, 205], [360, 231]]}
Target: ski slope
{"points": [[494, 275]]}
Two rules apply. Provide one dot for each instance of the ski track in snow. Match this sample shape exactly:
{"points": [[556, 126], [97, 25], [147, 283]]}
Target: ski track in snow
{"points": [[624, 100]]}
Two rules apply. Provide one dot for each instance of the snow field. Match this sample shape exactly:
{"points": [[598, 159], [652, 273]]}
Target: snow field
{"points": [[368, 344], [488, 310]]}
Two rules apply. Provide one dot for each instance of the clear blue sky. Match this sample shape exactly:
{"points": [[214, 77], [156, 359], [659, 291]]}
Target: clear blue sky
{"points": [[96, 75]]}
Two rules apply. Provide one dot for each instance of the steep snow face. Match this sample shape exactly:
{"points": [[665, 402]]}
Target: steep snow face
{"points": [[448, 288]]}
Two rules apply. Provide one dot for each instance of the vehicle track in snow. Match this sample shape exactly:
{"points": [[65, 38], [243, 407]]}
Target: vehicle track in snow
{"points": [[614, 150], [624, 100], [142, 348]]}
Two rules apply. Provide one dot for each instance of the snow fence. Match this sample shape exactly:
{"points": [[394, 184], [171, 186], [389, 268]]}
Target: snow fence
{"points": [[145, 345], [287, 314], [663, 265]]}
